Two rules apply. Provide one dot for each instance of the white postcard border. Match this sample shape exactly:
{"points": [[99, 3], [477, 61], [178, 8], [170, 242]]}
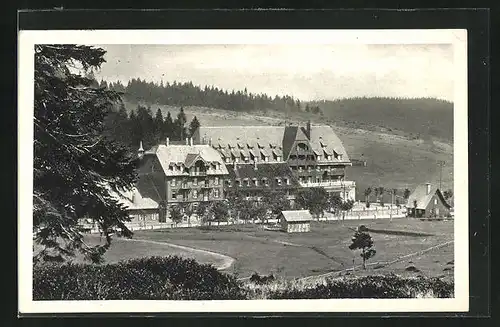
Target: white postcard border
{"points": [[26, 42]]}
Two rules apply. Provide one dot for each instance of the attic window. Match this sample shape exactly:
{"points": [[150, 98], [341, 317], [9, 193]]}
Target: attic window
{"points": [[278, 181], [265, 181], [302, 146], [255, 182]]}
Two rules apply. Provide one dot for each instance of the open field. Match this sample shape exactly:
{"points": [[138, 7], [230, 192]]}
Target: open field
{"points": [[395, 159], [323, 250]]}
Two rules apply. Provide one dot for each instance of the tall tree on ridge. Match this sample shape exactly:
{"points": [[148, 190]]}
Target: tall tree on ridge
{"points": [[193, 126]]}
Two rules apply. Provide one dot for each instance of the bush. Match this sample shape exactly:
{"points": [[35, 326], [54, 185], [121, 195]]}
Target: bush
{"points": [[174, 278], [155, 278], [261, 280], [390, 286]]}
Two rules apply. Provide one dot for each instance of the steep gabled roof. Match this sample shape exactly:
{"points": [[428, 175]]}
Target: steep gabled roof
{"points": [[265, 136], [191, 158], [297, 215], [242, 134], [325, 134], [423, 198], [176, 154]]}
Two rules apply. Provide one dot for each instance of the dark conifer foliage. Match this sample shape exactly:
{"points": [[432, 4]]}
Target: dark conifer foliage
{"points": [[75, 163], [188, 94]]}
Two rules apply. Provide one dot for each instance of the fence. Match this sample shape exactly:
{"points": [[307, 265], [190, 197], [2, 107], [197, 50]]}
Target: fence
{"points": [[355, 214]]}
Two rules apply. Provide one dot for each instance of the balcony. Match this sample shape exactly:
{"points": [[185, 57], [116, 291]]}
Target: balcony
{"points": [[330, 184]]}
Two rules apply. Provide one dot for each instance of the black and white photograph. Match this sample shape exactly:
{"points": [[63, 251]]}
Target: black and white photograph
{"points": [[197, 170]]}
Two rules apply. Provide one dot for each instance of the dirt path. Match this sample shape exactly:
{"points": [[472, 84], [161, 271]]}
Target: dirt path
{"points": [[227, 261]]}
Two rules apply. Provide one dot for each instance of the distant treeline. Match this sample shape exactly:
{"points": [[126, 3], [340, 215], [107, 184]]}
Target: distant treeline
{"points": [[187, 94], [140, 125], [422, 117]]}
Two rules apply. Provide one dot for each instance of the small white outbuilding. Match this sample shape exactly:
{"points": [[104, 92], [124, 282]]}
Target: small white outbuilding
{"points": [[295, 221]]}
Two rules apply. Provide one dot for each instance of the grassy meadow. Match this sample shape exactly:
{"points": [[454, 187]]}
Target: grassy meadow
{"points": [[323, 250]]}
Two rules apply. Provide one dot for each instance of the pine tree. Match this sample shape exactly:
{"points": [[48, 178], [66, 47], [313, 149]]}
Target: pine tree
{"points": [[75, 167], [180, 128], [159, 127], [169, 126], [193, 126]]}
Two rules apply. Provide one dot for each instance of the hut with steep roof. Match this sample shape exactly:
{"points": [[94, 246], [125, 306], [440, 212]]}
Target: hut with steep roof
{"points": [[295, 221], [427, 201]]}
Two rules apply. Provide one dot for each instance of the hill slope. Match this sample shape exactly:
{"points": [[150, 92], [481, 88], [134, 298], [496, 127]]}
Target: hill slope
{"points": [[423, 117]]}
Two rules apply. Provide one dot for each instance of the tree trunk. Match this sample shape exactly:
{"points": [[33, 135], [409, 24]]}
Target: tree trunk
{"points": [[364, 266]]}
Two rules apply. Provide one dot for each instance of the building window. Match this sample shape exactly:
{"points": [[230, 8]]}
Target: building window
{"points": [[246, 182], [238, 183], [195, 194], [216, 181], [435, 201], [278, 181], [216, 193], [255, 182], [287, 181], [172, 182], [228, 183], [227, 160], [174, 195], [195, 181]]}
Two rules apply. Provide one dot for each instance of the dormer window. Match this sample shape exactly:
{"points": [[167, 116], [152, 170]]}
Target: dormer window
{"points": [[278, 181], [238, 183], [265, 182], [255, 182], [287, 181], [245, 182], [228, 182]]}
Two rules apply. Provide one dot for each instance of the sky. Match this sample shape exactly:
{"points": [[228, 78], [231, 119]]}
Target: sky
{"points": [[307, 72]]}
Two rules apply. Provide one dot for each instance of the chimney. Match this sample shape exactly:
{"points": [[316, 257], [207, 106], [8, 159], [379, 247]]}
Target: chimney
{"points": [[168, 141], [308, 129], [191, 141], [428, 188], [187, 141], [140, 152], [234, 165], [255, 164]]}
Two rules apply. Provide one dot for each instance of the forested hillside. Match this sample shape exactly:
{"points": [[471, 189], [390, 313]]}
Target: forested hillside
{"points": [[421, 118]]}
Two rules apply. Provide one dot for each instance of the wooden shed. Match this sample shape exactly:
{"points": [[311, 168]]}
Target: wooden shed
{"points": [[295, 221]]}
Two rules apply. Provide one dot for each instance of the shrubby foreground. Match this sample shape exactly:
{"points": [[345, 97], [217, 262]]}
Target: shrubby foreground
{"points": [[175, 278]]}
